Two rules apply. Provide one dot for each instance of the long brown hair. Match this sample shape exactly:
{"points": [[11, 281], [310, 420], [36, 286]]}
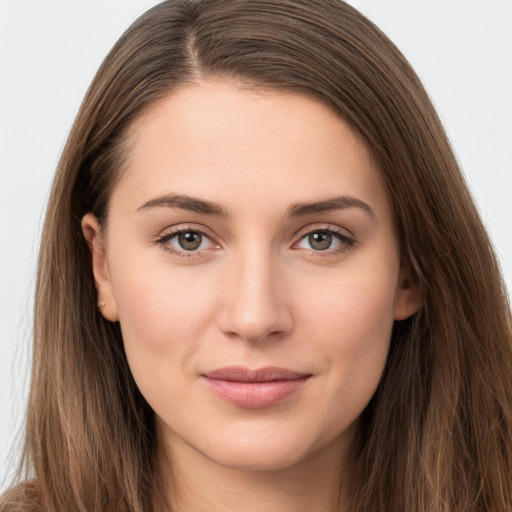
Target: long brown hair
{"points": [[437, 435]]}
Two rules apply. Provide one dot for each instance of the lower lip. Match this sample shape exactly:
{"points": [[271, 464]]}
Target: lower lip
{"points": [[256, 395]]}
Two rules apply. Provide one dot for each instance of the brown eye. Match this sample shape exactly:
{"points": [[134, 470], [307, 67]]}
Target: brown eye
{"points": [[190, 240], [187, 242], [320, 240]]}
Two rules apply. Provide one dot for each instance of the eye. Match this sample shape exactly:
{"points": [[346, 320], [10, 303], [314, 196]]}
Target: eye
{"points": [[320, 240], [185, 242], [188, 240], [329, 240]]}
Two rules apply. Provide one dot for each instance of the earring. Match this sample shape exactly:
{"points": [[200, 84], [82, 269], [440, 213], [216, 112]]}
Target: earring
{"points": [[101, 304]]}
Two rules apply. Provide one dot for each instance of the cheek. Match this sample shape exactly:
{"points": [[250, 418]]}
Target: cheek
{"points": [[163, 316], [355, 303], [164, 313], [351, 322]]}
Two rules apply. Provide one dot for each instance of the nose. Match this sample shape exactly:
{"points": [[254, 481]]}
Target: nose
{"points": [[255, 305]]}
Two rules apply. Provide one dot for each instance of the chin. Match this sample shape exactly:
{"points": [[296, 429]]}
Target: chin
{"points": [[271, 451], [257, 459]]}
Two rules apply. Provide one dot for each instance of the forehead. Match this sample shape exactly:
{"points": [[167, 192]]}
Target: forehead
{"points": [[220, 140]]}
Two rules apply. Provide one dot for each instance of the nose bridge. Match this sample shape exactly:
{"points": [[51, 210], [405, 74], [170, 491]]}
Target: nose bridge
{"points": [[255, 307]]}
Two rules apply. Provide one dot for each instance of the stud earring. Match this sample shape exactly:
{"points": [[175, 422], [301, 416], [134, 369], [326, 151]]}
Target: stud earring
{"points": [[101, 304]]}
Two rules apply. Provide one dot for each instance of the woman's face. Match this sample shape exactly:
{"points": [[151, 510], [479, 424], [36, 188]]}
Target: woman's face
{"points": [[251, 260]]}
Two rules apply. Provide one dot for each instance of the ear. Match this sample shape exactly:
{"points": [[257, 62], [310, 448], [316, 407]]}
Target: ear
{"points": [[106, 301], [408, 298]]}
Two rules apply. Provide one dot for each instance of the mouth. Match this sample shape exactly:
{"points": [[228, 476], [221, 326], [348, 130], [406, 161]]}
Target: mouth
{"points": [[255, 389]]}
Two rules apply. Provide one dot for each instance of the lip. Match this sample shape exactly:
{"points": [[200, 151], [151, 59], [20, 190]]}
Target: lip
{"points": [[255, 389]]}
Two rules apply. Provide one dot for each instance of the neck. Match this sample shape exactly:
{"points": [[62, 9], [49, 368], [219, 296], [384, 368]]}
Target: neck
{"points": [[201, 485]]}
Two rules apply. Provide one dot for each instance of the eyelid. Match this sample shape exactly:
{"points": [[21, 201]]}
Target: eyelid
{"points": [[333, 228], [186, 226], [167, 234], [345, 236]]}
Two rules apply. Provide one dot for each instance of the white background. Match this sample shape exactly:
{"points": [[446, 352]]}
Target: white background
{"points": [[49, 52]]}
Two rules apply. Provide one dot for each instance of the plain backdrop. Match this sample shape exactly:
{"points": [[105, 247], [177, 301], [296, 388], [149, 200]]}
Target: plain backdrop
{"points": [[49, 52]]}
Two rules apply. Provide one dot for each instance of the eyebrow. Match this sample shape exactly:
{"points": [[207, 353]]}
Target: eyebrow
{"points": [[185, 202], [193, 204], [334, 203]]}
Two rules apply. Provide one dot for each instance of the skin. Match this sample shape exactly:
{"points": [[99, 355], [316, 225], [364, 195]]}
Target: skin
{"points": [[259, 292]]}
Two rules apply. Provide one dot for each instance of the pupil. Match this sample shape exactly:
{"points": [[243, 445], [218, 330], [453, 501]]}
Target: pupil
{"points": [[320, 241], [190, 240]]}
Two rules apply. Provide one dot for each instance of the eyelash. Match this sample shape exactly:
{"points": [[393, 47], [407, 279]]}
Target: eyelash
{"points": [[169, 235], [346, 241]]}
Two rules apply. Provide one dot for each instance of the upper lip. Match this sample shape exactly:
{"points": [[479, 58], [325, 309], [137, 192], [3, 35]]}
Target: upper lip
{"points": [[241, 374]]}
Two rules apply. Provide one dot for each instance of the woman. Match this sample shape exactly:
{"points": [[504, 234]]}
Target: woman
{"points": [[263, 284]]}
